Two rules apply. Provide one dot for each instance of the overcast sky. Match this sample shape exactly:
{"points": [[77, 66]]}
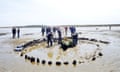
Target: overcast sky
{"points": [[35, 12]]}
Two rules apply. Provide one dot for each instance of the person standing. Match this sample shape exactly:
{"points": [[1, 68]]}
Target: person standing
{"points": [[48, 29], [49, 39], [18, 32], [74, 39], [66, 30], [59, 36], [72, 29], [13, 32], [54, 29], [54, 34], [43, 30]]}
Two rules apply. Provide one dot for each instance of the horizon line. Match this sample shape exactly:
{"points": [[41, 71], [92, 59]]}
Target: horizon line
{"points": [[78, 25]]}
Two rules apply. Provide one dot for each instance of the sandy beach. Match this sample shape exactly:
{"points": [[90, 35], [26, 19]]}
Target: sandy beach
{"points": [[83, 53]]}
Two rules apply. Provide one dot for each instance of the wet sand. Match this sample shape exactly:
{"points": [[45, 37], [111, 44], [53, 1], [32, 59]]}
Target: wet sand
{"points": [[83, 53]]}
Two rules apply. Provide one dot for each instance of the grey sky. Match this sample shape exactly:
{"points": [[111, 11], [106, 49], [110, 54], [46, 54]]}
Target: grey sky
{"points": [[30, 12]]}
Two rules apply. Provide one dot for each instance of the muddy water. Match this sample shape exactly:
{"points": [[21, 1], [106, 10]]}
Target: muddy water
{"points": [[11, 61]]}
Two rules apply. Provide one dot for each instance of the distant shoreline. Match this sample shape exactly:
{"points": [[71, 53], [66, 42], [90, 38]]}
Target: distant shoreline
{"points": [[39, 26]]}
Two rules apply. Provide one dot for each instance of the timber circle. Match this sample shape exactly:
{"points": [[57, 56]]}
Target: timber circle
{"points": [[36, 51]]}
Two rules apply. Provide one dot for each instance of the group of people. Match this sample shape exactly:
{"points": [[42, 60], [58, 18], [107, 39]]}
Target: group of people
{"points": [[50, 34], [15, 32]]}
